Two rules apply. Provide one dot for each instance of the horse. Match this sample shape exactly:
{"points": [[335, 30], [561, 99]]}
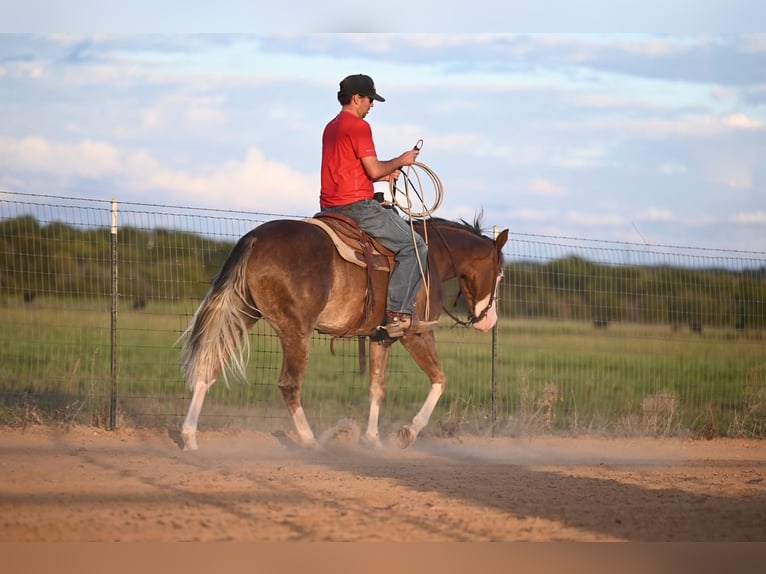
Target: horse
{"points": [[289, 273]]}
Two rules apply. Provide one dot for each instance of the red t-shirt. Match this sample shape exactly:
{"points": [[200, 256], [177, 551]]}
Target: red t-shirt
{"points": [[346, 139]]}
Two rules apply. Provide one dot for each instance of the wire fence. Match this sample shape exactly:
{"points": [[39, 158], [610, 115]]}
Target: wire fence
{"points": [[594, 336]]}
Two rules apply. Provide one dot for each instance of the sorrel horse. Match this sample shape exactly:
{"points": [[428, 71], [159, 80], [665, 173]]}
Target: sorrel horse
{"points": [[289, 273]]}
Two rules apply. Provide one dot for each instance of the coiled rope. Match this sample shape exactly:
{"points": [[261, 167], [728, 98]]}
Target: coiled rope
{"points": [[402, 197]]}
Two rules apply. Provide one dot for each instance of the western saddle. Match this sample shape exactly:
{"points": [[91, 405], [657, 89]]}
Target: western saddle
{"points": [[359, 248]]}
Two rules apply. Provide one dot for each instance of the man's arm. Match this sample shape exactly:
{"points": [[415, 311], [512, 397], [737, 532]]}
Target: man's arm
{"points": [[380, 170]]}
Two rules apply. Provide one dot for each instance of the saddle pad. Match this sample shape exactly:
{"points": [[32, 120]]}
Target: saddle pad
{"points": [[344, 249]]}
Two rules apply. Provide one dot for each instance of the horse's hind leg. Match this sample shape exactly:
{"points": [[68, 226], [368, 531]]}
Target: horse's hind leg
{"points": [[189, 428], [423, 350], [295, 356]]}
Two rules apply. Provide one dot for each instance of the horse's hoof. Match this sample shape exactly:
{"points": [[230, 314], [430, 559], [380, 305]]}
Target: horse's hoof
{"points": [[371, 442], [311, 445], [190, 440], [406, 436]]}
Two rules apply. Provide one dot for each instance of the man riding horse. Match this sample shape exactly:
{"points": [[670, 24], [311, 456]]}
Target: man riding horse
{"points": [[350, 166], [291, 274]]}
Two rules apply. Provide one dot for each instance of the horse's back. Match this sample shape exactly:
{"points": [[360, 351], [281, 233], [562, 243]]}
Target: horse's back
{"points": [[290, 239], [292, 248]]}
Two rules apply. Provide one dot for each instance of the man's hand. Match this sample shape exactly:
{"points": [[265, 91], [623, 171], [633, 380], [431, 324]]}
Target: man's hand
{"points": [[409, 157]]}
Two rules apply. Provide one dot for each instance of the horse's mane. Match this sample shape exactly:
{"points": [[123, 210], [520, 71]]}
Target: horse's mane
{"points": [[475, 227]]}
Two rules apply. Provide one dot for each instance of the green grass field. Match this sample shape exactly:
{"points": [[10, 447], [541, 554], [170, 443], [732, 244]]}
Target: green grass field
{"points": [[552, 376]]}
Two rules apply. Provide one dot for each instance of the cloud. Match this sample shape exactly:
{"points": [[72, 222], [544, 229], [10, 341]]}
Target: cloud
{"points": [[656, 214], [393, 136], [756, 217], [86, 159], [254, 183], [725, 93], [546, 188], [24, 69], [178, 112], [743, 122], [660, 128], [584, 49], [754, 43], [673, 169], [583, 157], [529, 214], [731, 171], [663, 125], [594, 220]]}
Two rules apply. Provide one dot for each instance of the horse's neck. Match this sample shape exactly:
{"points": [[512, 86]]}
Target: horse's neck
{"points": [[444, 252]]}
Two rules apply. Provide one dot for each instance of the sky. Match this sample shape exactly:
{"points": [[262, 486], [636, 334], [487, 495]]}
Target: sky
{"points": [[647, 138]]}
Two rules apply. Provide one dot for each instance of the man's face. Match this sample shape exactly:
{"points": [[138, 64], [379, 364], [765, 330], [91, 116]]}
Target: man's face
{"points": [[365, 105]]}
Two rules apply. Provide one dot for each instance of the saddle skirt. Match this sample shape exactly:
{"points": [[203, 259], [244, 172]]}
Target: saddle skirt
{"points": [[361, 249], [353, 244]]}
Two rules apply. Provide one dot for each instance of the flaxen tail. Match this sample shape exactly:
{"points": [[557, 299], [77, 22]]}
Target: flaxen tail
{"points": [[218, 332]]}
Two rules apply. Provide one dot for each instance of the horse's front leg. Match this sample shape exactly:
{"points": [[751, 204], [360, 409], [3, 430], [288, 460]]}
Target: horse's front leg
{"points": [[379, 354], [422, 347]]}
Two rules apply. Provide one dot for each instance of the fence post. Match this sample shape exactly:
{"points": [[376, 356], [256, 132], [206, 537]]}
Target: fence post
{"points": [[493, 411], [113, 373]]}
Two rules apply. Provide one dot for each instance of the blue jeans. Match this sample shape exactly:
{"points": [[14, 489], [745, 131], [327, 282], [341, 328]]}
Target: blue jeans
{"points": [[393, 232]]}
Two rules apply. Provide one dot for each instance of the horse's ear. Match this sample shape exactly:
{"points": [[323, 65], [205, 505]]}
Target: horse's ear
{"points": [[501, 239]]}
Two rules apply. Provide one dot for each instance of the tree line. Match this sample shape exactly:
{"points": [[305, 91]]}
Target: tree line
{"points": [[575, 288], [58, 259], [62, 260]]}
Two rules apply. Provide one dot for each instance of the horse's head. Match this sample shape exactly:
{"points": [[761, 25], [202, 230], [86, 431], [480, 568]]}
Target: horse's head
{"points": [[476, 261], [479, 279]]}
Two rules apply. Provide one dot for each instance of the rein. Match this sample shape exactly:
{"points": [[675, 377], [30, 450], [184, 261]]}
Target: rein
{"points": [[408, 210], [458, 321], [471, 318]]}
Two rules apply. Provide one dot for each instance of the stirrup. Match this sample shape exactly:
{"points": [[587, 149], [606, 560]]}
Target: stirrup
{"points": [[397, 324]]}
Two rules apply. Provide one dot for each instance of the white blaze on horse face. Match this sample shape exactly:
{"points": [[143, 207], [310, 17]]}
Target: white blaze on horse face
{"points": [[490, 318]]}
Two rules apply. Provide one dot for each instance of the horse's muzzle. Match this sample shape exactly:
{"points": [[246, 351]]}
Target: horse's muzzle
{"points": [[487, 321]]}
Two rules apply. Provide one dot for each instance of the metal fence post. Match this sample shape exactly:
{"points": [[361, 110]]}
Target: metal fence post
{"points": [[113, 369], [493, 406]]}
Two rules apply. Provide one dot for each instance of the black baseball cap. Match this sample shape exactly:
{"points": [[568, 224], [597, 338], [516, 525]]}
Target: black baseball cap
{"points": [[360, 84]]}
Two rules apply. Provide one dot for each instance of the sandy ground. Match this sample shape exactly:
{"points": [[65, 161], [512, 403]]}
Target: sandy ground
{"points": [[86, 484]]}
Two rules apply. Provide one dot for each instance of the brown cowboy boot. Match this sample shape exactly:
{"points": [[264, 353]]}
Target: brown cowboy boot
{"points": [[397, 324]]}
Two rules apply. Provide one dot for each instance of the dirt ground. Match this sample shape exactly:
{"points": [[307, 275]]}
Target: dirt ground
{"points": [[85, 484]]}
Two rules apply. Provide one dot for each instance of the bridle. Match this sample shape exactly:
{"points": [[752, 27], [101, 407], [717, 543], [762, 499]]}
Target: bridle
{"points": [[472, 318], [492, 297]]}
